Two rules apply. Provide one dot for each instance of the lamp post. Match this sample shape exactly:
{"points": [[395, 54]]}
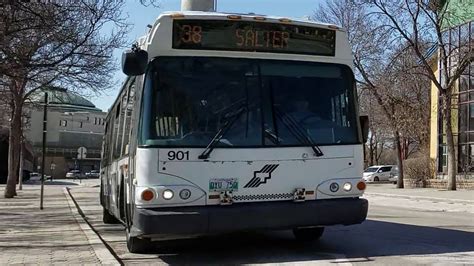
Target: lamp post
{"points": [[45, 127]]}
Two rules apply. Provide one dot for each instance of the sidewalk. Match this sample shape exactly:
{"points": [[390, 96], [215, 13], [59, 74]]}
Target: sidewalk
{"points": [[55, 235], [460, 196]]}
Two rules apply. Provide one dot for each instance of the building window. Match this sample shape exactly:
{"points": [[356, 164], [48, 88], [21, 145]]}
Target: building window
{"points": [[63, 123], [87, 119], [80, 124]]}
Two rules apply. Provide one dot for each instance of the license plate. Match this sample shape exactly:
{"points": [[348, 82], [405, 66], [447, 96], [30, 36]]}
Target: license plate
{"points": [[223, 184]]}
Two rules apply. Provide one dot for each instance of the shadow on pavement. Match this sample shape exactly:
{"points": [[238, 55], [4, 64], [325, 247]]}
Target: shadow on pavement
{"points": [[52, 183], [370, 239]]}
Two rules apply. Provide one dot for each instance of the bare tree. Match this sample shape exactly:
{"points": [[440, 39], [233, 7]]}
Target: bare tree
{"points": [[62, 44], [417, 23], [383, 68]]}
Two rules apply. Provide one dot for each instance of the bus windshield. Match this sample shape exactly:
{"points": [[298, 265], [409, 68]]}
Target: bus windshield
{"points": [[188, 100]]}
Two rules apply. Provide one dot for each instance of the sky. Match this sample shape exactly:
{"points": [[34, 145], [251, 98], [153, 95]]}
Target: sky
{"points": [[140, 16]]}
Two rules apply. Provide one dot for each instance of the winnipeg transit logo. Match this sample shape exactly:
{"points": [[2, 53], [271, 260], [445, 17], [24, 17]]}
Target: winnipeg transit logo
{"points": [[261, 177]]}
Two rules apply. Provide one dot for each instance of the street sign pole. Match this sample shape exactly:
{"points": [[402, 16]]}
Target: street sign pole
{"points": [[45, 124], [81, 154]]}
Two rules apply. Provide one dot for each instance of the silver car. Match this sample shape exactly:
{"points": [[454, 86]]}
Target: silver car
{"points": [[377, 173], [75, 174]]}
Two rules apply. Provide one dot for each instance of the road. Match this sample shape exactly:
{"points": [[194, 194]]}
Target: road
{"points": [[406, 234]]}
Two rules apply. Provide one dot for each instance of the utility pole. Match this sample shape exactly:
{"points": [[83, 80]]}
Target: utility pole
{"points": [[45, 126]]}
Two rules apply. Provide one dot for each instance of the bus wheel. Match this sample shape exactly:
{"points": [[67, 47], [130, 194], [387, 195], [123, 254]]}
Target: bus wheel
{"points": [[308, 234], [108, 218], [137, 245]]}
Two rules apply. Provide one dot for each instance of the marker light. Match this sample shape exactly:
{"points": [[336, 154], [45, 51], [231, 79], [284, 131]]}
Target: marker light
{"points": [[234, 17], [285, 20], [177, 15], [148, 195], [168, 194], [361, 185], [334, 187], [260, 18], [185, 194], [347, 186]]}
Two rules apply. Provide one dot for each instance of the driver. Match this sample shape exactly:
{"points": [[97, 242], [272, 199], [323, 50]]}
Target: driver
{"points": [[299, 111]]}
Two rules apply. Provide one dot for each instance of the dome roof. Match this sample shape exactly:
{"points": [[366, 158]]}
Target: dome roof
{"points": [[60, 97]]}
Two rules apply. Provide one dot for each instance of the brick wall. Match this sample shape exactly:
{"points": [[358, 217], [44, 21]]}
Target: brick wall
{"points": [[439, 183]]}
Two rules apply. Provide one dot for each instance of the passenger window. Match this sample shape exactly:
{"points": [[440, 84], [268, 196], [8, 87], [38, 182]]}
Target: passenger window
{"points": [[128, 116]]}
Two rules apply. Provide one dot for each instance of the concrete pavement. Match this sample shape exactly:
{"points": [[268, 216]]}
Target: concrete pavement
{"points": [[466, 196], [410, 227], [55, 235], [399, 231]]}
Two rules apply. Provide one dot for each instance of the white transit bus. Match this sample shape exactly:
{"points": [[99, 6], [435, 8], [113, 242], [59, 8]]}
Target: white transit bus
{"points": [[231, 122]]}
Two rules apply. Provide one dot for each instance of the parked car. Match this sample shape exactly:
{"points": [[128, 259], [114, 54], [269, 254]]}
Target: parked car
{"points": [[93, 174], [75, 174], [377, 173], [394, 175], [35, 176]]}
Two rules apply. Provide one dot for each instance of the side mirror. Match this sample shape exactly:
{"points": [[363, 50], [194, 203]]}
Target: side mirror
{"points": [[134, 62], [364, 124]]}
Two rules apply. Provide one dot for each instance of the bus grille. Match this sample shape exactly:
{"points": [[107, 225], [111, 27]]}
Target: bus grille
{"points": [[279, 196]]}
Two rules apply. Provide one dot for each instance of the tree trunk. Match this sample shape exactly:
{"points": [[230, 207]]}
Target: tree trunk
{"points": [[14, 149], [452, 166], [398, 146], [371, 150]]}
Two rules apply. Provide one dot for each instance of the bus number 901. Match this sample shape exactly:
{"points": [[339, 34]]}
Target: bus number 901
{"points": [[178, 155]]}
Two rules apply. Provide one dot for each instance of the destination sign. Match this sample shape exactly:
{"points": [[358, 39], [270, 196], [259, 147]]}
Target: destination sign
{"points": [[253, 37]]}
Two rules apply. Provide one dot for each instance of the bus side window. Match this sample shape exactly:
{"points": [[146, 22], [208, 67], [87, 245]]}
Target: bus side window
{"points": [[128, 110], [116, 134], [105, 159]]}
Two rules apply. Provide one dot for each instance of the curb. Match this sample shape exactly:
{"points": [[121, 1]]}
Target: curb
{"points": [[420, 197], [100, 249]]}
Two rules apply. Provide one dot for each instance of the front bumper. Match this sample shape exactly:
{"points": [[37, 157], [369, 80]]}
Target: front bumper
{"points": [[368, 178], [182, 221]]}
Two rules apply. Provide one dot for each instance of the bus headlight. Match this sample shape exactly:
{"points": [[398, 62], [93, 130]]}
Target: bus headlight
{"points": [[185, 194], [168, 194], [347, 186], [334, 187]]}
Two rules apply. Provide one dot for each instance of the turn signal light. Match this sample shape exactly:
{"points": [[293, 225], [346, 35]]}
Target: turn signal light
{"points": [[147, 195], [361, 185]]}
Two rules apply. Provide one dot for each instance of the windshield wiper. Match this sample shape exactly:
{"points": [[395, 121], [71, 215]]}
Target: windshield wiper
{"points": [[297, 130], [232, 118], [272, 136]]}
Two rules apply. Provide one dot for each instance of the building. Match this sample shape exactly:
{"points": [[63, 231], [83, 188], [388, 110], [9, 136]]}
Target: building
{"points": [[459, 31], [73, 122]]}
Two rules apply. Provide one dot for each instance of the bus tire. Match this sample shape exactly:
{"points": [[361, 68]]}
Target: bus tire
{"points": [[308, 234], [138, 245], [108, 218]]}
